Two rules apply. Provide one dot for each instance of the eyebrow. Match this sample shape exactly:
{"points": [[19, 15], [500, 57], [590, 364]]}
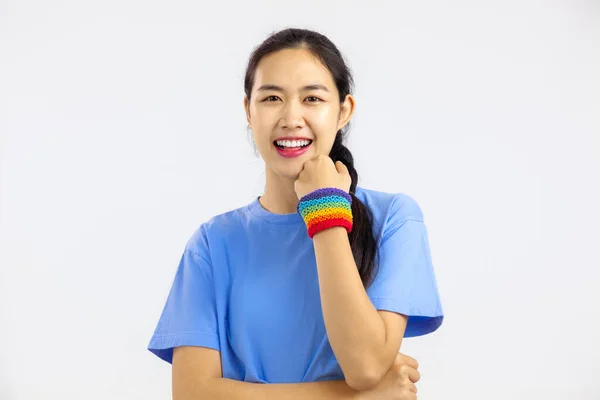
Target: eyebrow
{"points": [[304, 88]]}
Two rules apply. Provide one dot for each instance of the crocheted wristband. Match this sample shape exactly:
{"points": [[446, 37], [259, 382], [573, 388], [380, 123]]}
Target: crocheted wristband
{"points": [[325, 208]]}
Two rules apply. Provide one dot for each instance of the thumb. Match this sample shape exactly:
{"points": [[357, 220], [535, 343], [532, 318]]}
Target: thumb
{"points": [[341, 167]]}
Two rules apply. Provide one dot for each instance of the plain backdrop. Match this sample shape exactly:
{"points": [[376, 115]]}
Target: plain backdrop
{"points": [[122, 130]]}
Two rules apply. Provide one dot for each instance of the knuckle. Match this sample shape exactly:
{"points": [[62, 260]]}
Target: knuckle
{"points": [[413, 360]]}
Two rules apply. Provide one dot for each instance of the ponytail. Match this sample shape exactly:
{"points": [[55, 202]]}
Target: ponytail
{"points": [[362, 239]]}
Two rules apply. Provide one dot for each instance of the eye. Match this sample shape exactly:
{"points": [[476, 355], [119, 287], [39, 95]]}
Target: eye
{"points": [[270, 97], [313, 97]]}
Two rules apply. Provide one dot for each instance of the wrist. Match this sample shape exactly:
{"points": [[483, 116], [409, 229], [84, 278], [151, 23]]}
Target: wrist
{"points": [[326, 208]]}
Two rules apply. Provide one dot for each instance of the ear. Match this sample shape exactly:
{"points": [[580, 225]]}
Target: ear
{"points": [[346, 111], [247, 111]]}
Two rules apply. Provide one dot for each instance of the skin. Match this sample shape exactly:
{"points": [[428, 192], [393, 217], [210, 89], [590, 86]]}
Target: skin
{"points": [[315, 114], [366, 352], [197, 375], [197, 370]]}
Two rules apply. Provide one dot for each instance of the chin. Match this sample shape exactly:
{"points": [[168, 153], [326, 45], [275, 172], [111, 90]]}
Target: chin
{"points": [[291, 171]]}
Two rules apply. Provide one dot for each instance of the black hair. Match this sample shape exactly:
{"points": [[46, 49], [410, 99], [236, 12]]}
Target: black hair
{"points": [[362, 238]]}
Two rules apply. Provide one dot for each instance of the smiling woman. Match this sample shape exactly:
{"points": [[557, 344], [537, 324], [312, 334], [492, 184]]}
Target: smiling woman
{"points": [[291, 95], [318, 279]]}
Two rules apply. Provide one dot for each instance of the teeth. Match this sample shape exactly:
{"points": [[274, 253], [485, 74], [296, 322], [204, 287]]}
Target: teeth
{"points": [[292, 143]]}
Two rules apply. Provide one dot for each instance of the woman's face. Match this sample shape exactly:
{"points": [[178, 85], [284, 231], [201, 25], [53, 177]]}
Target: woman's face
{"points": [[284, 105]]}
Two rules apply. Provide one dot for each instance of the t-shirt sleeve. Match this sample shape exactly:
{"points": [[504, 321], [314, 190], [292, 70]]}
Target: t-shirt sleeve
{"points": [[405, 282], [189, 317]]}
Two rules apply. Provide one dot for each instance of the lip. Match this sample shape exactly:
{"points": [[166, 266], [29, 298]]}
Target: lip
{"points": [[292, 138], [292, 153]]}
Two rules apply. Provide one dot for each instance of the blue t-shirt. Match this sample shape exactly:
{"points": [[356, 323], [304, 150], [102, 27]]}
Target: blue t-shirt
{"points": [[247, 286]]}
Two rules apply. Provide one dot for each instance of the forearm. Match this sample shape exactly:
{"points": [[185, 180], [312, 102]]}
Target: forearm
{"points": [[222, 388], [355, 329]]}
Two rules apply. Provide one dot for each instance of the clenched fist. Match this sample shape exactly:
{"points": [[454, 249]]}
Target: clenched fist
{"points": [[321, 172], [398, 383]]}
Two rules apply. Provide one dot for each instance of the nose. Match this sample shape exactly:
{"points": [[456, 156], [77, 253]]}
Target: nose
{"points": [[292, 116]]}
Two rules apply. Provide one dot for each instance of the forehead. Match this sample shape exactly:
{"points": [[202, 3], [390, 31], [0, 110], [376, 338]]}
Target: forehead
{"points": [[292, 68]]}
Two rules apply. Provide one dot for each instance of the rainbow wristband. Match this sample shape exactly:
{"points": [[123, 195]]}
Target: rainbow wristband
{"points": [[325, 208]]}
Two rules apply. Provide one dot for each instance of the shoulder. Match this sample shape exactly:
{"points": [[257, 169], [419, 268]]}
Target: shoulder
{"points": [[217, 227], [396, 206]]}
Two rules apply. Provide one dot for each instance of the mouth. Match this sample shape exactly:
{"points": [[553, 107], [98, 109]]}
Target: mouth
{"points": [[287, 148]]}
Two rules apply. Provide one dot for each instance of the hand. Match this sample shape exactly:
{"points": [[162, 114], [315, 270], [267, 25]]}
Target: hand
{"points": [[398, 383], [320, 172]]}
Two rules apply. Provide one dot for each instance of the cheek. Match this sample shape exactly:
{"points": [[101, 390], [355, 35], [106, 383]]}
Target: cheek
{"points": [[324, 123], [262, 140], [324, 116], [263, 126]]}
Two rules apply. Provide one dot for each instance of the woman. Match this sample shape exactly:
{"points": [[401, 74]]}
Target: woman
{"points": [[312, 286]]}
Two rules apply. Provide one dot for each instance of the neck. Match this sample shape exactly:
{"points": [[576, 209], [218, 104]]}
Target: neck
{"points": [[279, 196]]}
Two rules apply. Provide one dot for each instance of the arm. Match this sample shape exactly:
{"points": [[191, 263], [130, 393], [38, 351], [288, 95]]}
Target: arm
{"points": [[197, 375], [365, 341], [221, 388]]}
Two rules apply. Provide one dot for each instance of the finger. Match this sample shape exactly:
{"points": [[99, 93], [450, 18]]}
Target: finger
{"points": [[305, 166], [409, 360], [341, 167], [412, 387], [414, 375], [408, 395]]}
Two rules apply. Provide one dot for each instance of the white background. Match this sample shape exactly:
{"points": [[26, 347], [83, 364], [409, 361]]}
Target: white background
{"points": [[122, 130]]}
